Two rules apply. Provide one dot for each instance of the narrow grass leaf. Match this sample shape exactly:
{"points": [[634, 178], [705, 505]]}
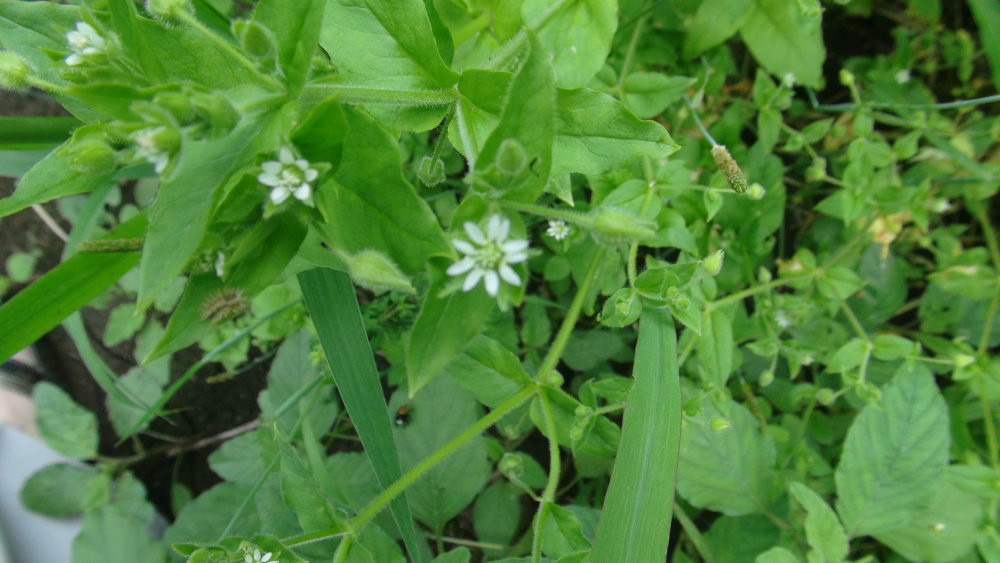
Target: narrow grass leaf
{"points": [[635, 522], [64, 289], [333, 306]]}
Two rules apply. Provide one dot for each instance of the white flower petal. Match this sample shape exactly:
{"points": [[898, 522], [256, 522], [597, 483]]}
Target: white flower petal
{"points": [[268, 179], [266, 558], [303, 164], [160, 162], [516, 245], [474, 233], [492, 282], [91, 51], [463, 246], [285, 155], [279, 194], [311, 174], [460, 267], [503, 230], [493, 228], [509, 275], [74, 60], [515, 257], [272, 167], [303, 192], [472, 279], [247, 559]]}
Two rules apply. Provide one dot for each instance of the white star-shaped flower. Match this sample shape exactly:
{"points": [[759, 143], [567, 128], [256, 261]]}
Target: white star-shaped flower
{"points": [[488, 256], [84, 41], [288, 176], [147, 149], [557, 229], [258, 557], [782, 320]]}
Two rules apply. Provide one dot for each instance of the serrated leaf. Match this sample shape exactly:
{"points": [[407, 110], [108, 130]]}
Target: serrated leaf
{"points": [[893, 455], [57, 490], [729, 471], [823, 530], [66, 427]]}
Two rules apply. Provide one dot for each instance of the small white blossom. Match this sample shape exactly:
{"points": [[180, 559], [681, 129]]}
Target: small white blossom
{"points": [[488, 256], [146, 148], [84, 41], [940, 205], [557, 229], [940, 527], [288, 176], [903, 76], [220, 264], [788, 80], [258, 557], [782, 319]]}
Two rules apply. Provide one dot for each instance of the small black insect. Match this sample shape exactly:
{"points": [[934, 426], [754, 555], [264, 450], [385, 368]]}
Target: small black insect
{"points": [[402, 416]]}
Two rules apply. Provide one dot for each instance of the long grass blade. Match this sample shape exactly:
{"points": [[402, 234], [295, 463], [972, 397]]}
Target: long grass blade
{"points": [[635, 522], [69, 286], [333, 306]]}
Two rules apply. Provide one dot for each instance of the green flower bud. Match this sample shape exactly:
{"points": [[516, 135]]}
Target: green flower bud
{"points": [[826, 396], [216, 111], [511, 465], [712, 264], [575, 433], [755, 192], [430, 172], [963, 360], [846, 77], [375, 271], [167, 8], [554, 379], [766, 378], [613, 225], [511, 158], [719, 424], [13, 71], [734, 174], [868, 391], [91, 156], [255, 38], [682, 303], [764, 275], [176, 103], [583, 410], [816, 170]]}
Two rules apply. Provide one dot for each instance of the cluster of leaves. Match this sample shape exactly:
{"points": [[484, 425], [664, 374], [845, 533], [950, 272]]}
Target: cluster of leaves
{"points": [[829, 393]]}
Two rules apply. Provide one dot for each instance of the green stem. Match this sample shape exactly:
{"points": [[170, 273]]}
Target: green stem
{"points": [[536, 542], [633, 42], [697, 121], [343, 549], [507, 51], [697, 540], [230, 49], [463, 33], [741, 295], [425, 465], [855, 323], [889, 105], [355, 94], [991, 432], [574, 217], [647, 198], [562, 337], [470, 543]]}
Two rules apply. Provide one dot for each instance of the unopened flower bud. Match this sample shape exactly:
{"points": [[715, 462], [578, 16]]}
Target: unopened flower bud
{"points": [[430, 172], [846, 77], [614, 225], [583, 410], [511, 465], [13, 71], [91, 156], [719, 424], [511, 158], [734, 174], [255, 38], [756, 191], [868, 391], [575, 433], [682, 303], [712, 264], [373, 270], [963, 360], [176, 103], [766, 378], [216, 110], [167, 8], [826, 396], [554, 379], [764, 275]]}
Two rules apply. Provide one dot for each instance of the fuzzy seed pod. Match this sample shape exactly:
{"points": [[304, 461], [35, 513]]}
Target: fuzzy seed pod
{"points": [[734, 174], [111, 245], [224, 304]]}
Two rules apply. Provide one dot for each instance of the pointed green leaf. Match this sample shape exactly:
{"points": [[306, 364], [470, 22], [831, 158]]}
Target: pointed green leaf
{"points": [[893, 454], [823, 530], [635, 521], [66, 427], [785, 37], [578, 36]]}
